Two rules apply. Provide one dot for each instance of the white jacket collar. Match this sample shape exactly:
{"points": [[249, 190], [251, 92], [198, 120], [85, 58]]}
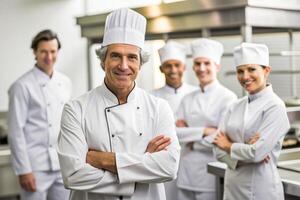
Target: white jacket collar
{"points": [[266, 91], [42, 77], [174, 90], [210, 87], [113, 98]]}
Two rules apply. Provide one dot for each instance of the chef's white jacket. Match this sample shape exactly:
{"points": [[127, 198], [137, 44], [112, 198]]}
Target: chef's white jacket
{"points": [[200, 109], [250, 178], [35, 106], [174, 95], [97, 121]]}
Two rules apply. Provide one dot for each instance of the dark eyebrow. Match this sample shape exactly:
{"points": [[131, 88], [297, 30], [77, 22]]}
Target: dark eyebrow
{"points": [[133, 55], [114, 53]]}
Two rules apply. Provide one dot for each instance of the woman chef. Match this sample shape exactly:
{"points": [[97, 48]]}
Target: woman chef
{"points": [[253, 130]]}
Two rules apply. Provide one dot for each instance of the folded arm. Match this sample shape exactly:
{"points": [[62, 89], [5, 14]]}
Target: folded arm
{"points": [[72, 151], [18, 109], [153, 167], [274, 126], [107, 160]]}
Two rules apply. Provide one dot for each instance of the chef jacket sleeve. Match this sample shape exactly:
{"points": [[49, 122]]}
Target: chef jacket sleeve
{"points": [[72, 150], [17, 117], [187, 134], [206, 142], [220, 154], [152, 167], [275, 125]]}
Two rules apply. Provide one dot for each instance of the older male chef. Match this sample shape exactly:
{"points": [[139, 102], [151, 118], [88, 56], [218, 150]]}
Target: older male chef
{"points": [[199, 115], [117, 141], [36, 102], [173, 58]]}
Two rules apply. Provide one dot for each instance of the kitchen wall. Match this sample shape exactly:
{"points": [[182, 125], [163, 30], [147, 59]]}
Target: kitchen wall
{"points": [[20, 20]]}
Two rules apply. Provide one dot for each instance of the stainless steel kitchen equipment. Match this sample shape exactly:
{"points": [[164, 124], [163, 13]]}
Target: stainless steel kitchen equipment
{"points": [[290, 178], [9, 187], [204, 18], [292, 138], [3, 128]]}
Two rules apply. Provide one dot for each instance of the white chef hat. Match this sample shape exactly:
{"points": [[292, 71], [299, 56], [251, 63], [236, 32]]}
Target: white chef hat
{"points": [[125, 26], [172, 51], [251, 53], [207, 48]]}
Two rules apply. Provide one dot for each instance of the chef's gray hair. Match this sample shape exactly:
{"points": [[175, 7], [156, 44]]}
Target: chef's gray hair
{"points": [[101, 53]]}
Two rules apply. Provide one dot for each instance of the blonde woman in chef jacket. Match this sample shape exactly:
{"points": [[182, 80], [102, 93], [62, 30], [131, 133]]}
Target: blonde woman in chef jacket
{"points": [[252, 131], [199, 115], [117, 141]]}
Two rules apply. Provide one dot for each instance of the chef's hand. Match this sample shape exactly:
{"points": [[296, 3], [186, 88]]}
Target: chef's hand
{"points": [[223, 142], [190, 146], [254, 138], [209, 130], [181, 123], [102, 160], [27, 182], [158, 143]]}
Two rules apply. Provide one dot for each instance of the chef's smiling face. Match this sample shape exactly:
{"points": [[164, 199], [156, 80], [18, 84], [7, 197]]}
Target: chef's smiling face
{"points": [[46, 54], [253, 77], [206, 70], [173, 71], [122, 64]]}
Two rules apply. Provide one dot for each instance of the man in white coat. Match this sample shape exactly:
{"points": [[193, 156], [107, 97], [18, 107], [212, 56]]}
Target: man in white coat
{"points": [[117, 141], [36, 101], [173, 58], [199, 115]]}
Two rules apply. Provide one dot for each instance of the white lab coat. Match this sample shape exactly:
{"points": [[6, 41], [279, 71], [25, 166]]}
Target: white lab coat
{"points": [[265, 113], [200, 109], [97, 121], [35, 107], [173, 96]]}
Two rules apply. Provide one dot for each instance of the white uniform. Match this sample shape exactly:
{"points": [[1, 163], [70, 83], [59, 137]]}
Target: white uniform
{"points": [[264, 113], [200, 109], [97, 121], [173, 96], [35, 106]]}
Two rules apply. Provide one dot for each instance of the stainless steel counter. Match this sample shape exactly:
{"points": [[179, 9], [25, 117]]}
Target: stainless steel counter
{"points": [[290, 178], [8, 182]]}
